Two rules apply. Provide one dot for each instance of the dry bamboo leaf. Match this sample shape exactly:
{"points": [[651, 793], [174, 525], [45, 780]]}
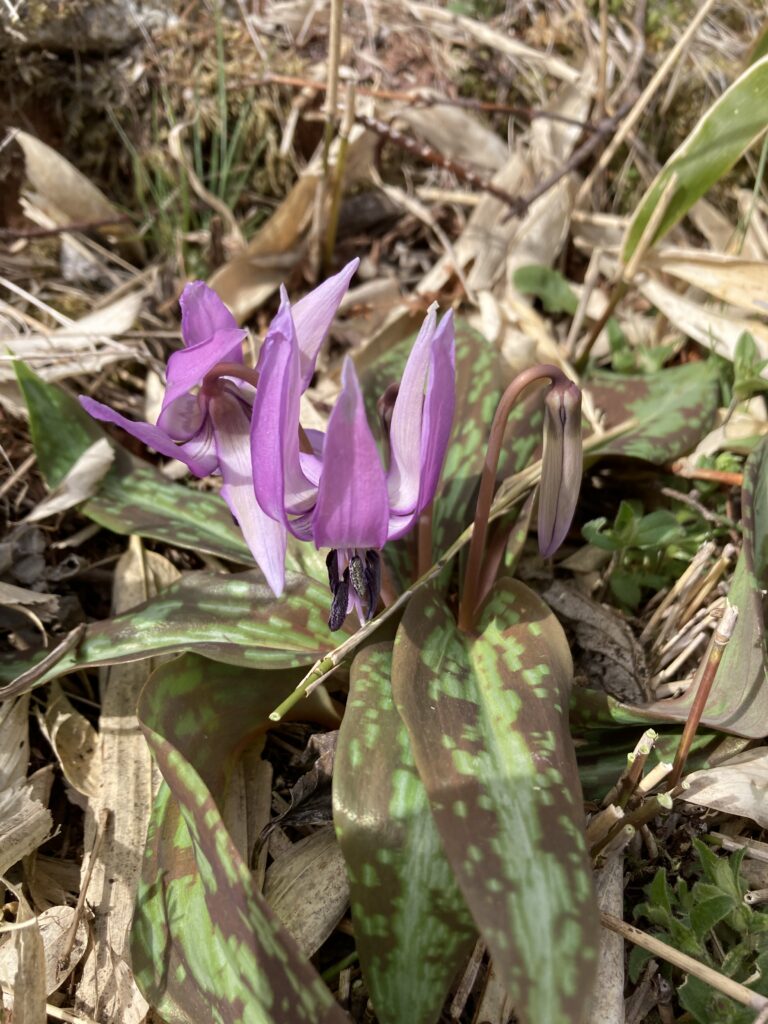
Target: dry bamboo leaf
{"points": [[737, 787], [75, 742], [106, 989], [308, 889], [251, 277], [14, 741], [70, 197], [495, 1005], [81, 346], [23, 986], [53, 927], [717, 331], [721, 234], [457, 27], [456, 134], [737, 281], [248, 803], [25, 824], [11, 596], [80, 483]]}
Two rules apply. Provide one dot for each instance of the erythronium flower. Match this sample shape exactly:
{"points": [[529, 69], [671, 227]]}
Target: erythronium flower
{"points": [[338, 494], [205, 418]]}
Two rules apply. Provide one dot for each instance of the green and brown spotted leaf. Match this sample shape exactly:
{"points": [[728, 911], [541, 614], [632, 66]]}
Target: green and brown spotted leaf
{"points": [[738, 702], [230, 618], [488, 720], [412, 929], [674, 409], [134, 497], [205, 944]]}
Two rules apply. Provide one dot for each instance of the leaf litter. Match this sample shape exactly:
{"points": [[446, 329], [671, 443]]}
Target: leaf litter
{"points": [[209, 130]]}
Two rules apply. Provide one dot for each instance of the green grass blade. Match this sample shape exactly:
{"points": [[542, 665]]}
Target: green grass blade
{"points": [[730, 126]]}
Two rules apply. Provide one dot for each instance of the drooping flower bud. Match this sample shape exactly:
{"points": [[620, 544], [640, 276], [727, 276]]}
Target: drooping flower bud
{"points": [[561, 465]]}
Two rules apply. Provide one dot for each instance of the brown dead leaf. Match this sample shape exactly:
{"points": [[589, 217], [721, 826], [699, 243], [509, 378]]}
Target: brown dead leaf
{"points": [[25, 822], [308, 889], [53, 927], [70, 198], [737, 787], [106, 989], [80, 483], [737, 281], [75, 742]]}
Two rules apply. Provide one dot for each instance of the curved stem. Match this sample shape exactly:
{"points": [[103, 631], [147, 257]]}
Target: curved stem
{"points": [[469, 593], [247, 373]]}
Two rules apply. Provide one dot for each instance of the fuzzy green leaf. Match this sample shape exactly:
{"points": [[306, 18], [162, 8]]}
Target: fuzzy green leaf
{"points": [[487, 715], [412, 928]]}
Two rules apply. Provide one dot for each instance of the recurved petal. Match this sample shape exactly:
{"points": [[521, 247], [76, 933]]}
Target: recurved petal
{"points": [[352, 506], [277, 475], [203, 313], [197, 453], [265, 537], [439, 405], [313, 316], [187, 366], [406, 424], [561, 466]]}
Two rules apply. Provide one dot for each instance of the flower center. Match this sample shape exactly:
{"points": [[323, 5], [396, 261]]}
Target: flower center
{"points": [[354, 576]]}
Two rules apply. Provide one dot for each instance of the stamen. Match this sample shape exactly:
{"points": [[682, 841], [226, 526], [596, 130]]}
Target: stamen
{"points": [[357, 576], [339, 602]]}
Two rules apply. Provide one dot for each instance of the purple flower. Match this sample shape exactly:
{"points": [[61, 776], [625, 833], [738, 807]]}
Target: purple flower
{"points": [[561, 464], [333, 489], [205, 418]]}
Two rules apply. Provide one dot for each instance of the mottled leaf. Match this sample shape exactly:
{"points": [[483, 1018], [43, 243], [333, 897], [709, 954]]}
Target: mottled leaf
{"points": [[133, 497], [674, 409], [412, 928], [231, 618], [206, 945], [487, 715], [724, 133]]}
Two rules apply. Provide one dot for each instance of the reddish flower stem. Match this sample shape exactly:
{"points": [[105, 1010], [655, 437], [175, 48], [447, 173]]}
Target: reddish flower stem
{"points": [[469, 594]]}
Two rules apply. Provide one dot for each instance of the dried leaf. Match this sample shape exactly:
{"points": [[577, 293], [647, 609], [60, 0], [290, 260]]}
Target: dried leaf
{"points": [[53, 927], [732, 279], [79, 484], [75, 742], [308, 890], [70, 196], [736, 787]]}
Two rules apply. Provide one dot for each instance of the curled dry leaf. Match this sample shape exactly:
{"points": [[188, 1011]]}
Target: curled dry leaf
{"points": [[737, 281], [737, 787], [81, 482], [25, 823], [70, 197], [75, 742], [308, 889], [58, 961]]}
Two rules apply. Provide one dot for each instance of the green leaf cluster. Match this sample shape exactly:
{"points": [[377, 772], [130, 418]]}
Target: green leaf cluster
{"points": [[649, 551], [709, 921]]}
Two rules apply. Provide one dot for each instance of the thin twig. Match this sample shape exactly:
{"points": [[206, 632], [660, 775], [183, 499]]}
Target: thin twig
{"points": [[718, 981], [719, 642], [642, 101]]}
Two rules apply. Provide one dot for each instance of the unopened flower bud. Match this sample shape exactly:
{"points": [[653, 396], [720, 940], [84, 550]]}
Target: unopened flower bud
{"points": [[561, 465]]}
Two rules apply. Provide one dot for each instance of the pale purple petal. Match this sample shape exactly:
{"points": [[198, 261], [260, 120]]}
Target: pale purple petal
{"points": [[406, 425], [203, 313], [265, 537], [439, 405], [182, 418], [278, 479], [199, 456], [352, 506], [313, 316], [187, 366]]}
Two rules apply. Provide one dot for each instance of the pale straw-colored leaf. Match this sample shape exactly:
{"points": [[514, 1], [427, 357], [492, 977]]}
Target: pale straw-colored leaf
{"points": [[80, 483]]}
